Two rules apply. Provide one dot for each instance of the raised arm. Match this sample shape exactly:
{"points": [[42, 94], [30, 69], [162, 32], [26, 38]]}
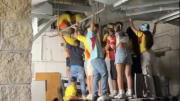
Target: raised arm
{"points": [[61, 35], [76, 34], [154, 30], [92, 22], [132, 26]]}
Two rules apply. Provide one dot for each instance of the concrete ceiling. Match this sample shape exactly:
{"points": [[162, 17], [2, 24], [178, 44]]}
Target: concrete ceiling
{"points": [[36, 2], [150, 10], [116, 10], [147, 10]]}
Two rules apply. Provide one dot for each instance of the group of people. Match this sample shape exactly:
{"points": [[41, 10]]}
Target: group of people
{"points": [[106, 61]]}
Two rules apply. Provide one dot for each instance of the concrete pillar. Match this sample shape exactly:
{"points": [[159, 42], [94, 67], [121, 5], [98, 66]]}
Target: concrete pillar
{"points": [[15, 50]]}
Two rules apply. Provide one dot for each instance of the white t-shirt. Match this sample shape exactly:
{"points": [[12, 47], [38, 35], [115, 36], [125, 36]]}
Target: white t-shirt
{"points": [[121, 38]]}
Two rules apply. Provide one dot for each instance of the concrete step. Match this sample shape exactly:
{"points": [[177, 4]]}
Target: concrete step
{"points": [[170, 98]]}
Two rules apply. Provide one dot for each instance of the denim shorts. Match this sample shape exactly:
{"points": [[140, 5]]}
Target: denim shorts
{"points": [[123, 56]]}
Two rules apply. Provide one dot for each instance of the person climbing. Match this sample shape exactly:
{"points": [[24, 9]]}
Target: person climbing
{"points": [[145, 39], [76, 63], [87, 63], [64, 21]]}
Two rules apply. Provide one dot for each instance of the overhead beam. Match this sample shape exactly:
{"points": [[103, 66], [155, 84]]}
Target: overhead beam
{"points": [[107, 2], [68, 2], [74, 8], [167, 16], [118, 3], [172, 18], [152, 11], [45, 16], [44, 28], [148, 5], [36, 3], [43, 8]]}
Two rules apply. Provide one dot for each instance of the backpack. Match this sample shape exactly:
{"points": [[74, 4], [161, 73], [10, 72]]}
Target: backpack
{"points": [[149, 39]]}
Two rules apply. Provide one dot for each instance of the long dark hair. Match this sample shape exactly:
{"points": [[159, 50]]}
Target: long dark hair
{"points": [[149, 39], [120, 26], [136, 66], [134, 40]]}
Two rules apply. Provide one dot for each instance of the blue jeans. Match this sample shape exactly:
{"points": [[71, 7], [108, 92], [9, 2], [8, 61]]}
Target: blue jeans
{"points": [[78, 72], [100, 72]]}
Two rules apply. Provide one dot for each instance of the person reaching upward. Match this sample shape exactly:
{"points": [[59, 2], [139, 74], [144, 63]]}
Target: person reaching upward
{"points": [[87, 62], [97, 61], [76, 63], [145, 39], [123, 62]]}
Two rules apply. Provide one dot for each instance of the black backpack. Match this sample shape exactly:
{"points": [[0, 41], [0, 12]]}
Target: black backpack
{"points": [[149, 39]]}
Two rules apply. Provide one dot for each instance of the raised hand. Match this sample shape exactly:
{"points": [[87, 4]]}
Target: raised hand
{"points": [[130, 20], [156, 22], [60, 33]]}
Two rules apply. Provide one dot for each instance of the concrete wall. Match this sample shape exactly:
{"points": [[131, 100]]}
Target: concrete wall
{"points": [[38, 90], [48, 55], [15, 48]]}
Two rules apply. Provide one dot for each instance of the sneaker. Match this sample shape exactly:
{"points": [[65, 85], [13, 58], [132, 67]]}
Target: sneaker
{"points": [[113, 94], [120, 96], [103, 98], [89, 97], [129, 94], [84, 98]]}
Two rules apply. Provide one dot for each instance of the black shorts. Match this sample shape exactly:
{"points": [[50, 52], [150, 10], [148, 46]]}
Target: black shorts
{"points": [[67, 62], [113, 70]]}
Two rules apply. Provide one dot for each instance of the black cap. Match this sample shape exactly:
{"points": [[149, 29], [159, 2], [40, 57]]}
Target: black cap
{"points": [[73, 79]]}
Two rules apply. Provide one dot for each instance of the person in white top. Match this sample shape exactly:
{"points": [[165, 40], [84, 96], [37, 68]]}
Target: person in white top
{"points": [[123, 62]]}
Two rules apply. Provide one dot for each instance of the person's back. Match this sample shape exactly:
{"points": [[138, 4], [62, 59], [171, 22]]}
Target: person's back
{"points": [[145, 38], [94, 45], [76, 63], [149, 39], [97, 61], [76, 55], [135, 51]]}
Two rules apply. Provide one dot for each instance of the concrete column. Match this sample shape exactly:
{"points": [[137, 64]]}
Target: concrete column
{"points": [[15, 50]]}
